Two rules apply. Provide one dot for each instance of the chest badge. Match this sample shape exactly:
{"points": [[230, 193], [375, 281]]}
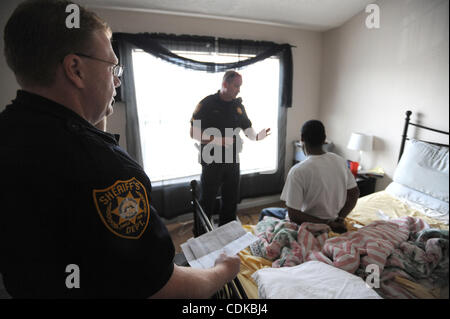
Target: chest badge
{"points": [[239, 110], [123, 208]]}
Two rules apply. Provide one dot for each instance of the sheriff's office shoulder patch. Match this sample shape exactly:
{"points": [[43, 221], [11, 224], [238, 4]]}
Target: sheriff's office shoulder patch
{"points": [[123, 208], [239, 110]]}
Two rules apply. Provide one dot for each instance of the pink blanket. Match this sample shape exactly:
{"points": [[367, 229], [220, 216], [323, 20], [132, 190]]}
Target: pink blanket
{"points": [[288, 244]]}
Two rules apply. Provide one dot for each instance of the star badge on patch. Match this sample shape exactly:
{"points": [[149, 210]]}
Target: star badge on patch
{"points": [[123, 208]]}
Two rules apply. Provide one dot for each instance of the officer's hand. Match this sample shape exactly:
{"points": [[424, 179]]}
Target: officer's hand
{"points": [[229, 265], [263, 134]]}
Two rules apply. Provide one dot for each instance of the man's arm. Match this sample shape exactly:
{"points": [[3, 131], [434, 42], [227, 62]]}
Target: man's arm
{"points": [[251, 134], [297, 216], [300, 217], [193, 283], [352, 197], [350, 203], [338, 225]]}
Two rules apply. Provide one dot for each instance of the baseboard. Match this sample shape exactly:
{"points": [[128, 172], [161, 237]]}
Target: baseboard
{"points": [[244, 204], [258, 201]]}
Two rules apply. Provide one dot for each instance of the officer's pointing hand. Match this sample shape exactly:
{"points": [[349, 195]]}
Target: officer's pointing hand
{"points": [[263, 134]]}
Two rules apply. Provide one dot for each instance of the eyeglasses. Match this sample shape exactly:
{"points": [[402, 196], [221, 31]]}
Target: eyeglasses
{"points": [[117, 68]]}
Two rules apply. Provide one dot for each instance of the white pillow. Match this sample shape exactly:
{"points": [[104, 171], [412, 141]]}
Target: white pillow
{"points": [[424, 167], [439, 209], [311, 280]]}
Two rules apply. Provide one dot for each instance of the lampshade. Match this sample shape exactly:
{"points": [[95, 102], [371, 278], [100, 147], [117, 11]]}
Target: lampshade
{"points": [[360, 142]]}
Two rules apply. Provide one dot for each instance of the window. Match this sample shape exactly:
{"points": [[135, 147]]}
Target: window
{"points": [[167, 95]]}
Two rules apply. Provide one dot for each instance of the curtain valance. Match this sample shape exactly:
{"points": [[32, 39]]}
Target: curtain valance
{"points": [[162, 45]]}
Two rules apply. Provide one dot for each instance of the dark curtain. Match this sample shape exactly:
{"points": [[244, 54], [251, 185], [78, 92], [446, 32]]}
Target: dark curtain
{"points": [[127, 94], [160, 45], [173, 200]]}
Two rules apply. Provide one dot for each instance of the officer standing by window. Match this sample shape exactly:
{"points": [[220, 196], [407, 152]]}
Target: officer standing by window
{"points": [[216, 123]]}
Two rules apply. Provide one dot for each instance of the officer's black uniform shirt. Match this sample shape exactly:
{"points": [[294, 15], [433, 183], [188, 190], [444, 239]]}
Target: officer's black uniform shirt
{"points": [[69, 195], [213, 112]]}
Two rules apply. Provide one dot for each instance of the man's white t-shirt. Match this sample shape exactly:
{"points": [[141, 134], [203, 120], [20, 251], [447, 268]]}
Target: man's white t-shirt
{"points": [[318, 186]]}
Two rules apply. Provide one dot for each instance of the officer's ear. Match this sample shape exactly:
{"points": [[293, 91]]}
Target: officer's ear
{"points": [[224, 86], [73, 69]]}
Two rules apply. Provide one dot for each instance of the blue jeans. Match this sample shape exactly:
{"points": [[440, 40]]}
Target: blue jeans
{"points": [[276, 212]]}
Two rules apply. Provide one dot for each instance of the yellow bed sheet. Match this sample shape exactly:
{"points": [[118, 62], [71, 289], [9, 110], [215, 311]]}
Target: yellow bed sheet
{"points": [[367, 207], [250, 264], [363, 214]]}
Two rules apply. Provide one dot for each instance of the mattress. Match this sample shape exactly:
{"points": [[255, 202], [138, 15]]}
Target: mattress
{"points": [[381, 205], [376, 206]]}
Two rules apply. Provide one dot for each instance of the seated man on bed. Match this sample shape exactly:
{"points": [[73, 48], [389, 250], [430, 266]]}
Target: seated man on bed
{"points": [[321, 189]]}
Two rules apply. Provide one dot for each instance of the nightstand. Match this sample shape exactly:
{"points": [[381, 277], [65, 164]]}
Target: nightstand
{"points": [[366, 184]]}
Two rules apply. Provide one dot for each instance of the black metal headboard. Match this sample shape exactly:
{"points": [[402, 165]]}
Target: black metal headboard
{"points": [[405, 133]]}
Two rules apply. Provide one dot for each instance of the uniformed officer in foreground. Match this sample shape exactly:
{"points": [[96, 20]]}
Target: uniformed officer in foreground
{"points": [[76, 218], [216, 123]]}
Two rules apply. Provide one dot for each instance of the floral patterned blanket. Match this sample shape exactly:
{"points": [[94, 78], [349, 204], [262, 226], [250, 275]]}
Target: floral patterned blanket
{"points": [[405, 247]]}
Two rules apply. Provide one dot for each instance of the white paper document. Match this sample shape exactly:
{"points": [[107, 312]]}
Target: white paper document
{"points": [[231, 238]]}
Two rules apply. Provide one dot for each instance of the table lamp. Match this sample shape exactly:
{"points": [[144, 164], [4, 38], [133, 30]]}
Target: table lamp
{"points": [[360, 142]]}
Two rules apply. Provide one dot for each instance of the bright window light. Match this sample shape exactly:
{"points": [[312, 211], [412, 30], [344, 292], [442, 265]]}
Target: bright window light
{"points": [[166, 97]]}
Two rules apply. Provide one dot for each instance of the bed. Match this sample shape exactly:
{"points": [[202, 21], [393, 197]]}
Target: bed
{"points": [[396, 245]]}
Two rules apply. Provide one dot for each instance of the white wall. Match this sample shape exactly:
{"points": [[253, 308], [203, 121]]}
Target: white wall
{"points": [[370, 77], [306, 58]]}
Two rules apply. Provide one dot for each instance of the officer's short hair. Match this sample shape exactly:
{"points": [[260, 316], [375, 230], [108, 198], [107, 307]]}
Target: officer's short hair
{"points": [[229, 76], [313, 133], [37, 38]]}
